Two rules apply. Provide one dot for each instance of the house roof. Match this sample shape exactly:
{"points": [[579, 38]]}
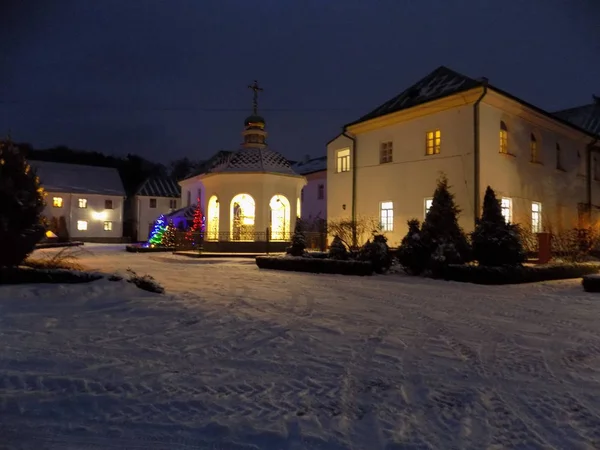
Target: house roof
{"points": [[586, 117], [78, 179], [310, 165], [253, 159], [159, 187], [443, 82]]}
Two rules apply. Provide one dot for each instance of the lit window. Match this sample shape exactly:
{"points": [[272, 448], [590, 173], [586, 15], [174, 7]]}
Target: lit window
{"points": [[506, 204], [559, 164], [173, 204], [57, 202], [108, 204], [503, 138], [536, 217], [385, 152], [534, 148], [428, 203], [82, 225], [386, 216], [343, 160], [83, 203], [107, 226], [434, 142], [321, 192], [152, 203]]}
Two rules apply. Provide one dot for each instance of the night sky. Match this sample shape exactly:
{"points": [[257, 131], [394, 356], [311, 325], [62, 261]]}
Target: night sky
{"points": [[168, 78]]}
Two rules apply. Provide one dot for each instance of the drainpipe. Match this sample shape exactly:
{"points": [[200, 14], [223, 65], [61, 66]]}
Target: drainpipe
{"points": [[588, 187], [353, 162], [476, 151]]}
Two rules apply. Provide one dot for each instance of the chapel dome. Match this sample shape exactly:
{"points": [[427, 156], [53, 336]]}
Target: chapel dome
{"points": [[254, 159], [254, 118]]}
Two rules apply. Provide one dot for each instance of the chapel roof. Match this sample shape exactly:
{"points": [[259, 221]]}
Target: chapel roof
{"points": [[253, 159]]}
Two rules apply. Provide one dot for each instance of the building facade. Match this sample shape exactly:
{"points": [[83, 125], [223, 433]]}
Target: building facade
{"points": [[313, 198], [86, 200], [385, 165], [155, 197]]}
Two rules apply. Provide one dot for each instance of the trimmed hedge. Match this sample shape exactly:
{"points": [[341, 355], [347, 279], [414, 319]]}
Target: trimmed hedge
{"points": [[50, 244], [515, 275], [591, 283], [140, 249], [22, 275], [315, 265]]}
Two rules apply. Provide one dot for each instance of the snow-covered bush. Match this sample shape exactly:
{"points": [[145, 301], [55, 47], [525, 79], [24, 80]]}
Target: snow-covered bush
{"points": [[413, 255], [377, 253], [298, 247], [591, 283], [21, 206], [145, 282], [495, 242], [337, 249]]}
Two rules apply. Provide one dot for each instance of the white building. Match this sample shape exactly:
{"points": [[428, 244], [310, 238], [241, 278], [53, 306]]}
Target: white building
{"points": [[385, 164], [154, 197], [314, 195], [87, 199]]}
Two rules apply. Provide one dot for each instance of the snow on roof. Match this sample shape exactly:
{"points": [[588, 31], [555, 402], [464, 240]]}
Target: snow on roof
{"points": [[311, 165], [159, 187], [253, 160], [586, 117], [78, 179]]}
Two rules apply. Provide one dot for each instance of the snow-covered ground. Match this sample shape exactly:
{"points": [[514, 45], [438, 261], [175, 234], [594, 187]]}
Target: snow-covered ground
{"points": [[237, 358]]}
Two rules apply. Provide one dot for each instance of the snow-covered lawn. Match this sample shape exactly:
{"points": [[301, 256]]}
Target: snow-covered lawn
{"points": [[236, 358]]}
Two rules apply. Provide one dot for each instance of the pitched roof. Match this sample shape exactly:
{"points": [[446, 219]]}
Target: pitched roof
{"points": [[253, 159], [440, 83], [78, 179], [586, 117], [159, 187], [310, 165], [205, 166]]}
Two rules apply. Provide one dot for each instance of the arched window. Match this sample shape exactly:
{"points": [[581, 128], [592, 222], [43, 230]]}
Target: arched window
{"points": [[280, 218], [503, 138], [533, 146], [299, 207], [243, 210], [213, 219]]}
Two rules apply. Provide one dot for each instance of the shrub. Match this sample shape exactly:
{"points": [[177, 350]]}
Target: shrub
{"points": [[21, 206], [495, 242], [441, 229], [145, 282], [66, 258], [591, 283], [413, 255], [298, 246], [377, 253], [315, 265], [337, 249], [350, 231], [516, 274], [30, 275]]}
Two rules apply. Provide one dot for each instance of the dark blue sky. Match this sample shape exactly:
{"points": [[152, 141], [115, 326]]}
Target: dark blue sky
{"points": [[167, 78]]}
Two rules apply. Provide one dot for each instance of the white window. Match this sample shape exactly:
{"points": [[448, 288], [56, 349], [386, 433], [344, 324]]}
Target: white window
{"points": [[173, 204], [82, 225], [428, 203], [386, 216], [503, 138], [343, 160], [57, 202], [107, 226], [83, 203], [385, 152], [506, 205], [536, 217]]}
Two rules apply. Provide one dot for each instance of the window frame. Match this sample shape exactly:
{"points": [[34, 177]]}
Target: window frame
{"points": [[386, 152], [108, 204], [109, 223], [536, 227], [173, 203], [433, 142], [386, 223], [79, 225], [57, 202], [503, 138], [321, 192], [151, 202], [509, 208], [342, 161], [82, 201]]}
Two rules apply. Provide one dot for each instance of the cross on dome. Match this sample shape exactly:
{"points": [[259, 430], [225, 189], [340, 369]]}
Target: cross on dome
{"points": [[256, 88]]}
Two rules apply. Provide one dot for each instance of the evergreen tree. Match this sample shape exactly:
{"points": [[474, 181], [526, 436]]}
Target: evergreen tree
{"points": [[156, 235], [21, 206], [495, 242], [298, 246], [168, 237], [377, 252], [337, 249], [413, 254], [63, 230], [195, 233], [440, 232]]}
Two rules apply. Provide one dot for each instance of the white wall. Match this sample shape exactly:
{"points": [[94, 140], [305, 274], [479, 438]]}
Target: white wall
{"points": [[95, 204], [313, 207], [146, 216]]}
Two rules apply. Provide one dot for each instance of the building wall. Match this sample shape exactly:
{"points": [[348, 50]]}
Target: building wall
{"points": [[94, 214], [312, 206], [145, 216], [411, 177]]}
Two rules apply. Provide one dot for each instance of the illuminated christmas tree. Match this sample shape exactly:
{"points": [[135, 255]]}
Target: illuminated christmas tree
{"points": [[158, 231], [196, 232], [168, 237]]}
